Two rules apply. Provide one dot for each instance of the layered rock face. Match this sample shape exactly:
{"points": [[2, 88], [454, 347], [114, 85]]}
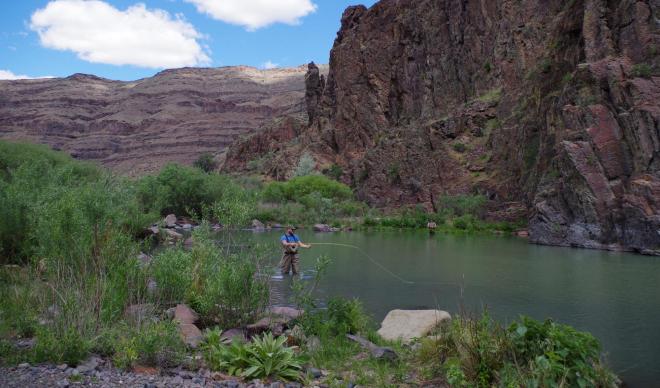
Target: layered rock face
{"points": [[136, 127], [551, 108]]}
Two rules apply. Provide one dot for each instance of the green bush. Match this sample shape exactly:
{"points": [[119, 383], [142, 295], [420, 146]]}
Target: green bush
{"points": [[205, 162], [643, 70], [463, 204], [180, 190], [482, 353], [222, 287], [342, 316], [264, 357], [172, 271], [70, 348], [298, 187], [156, 344], [335, 172]]}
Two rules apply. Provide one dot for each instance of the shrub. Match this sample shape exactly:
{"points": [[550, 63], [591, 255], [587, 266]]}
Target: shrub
{"points": [[172, 271], [306, 165], [70, 348], [296, 188], [493, 124], [481, 353], [205, 162], [342, 317], [642, 70], [463, 204], [265, 357], [459, 147], [221, 286], [492, 96], [335, 172], [156, 344]]}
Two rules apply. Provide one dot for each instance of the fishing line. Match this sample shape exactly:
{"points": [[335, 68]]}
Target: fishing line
{"points": [[382, 267]]}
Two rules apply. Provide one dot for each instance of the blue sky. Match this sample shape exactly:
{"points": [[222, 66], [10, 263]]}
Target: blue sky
{"points": [[131, 39]]}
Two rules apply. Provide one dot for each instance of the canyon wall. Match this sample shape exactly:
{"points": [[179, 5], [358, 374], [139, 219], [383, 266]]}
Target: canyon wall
{"points": [[550, 108], [136, 127]]}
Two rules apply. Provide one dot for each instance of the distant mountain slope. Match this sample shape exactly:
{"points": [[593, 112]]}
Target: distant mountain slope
{"points": [[136, 127]]}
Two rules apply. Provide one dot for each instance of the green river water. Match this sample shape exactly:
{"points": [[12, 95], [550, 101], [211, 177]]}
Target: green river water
{"points": [[615, 296]]}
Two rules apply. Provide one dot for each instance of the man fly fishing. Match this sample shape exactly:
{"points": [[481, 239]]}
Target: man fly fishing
{"points": [[291, 242]]}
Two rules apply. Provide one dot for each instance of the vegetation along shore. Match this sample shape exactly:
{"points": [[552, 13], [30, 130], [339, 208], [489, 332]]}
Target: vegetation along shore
{"points": [[80, 304]]}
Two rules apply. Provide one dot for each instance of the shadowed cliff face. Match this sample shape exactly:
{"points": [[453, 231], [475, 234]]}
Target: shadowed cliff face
{"points": [[136, 127], [548, 107]]}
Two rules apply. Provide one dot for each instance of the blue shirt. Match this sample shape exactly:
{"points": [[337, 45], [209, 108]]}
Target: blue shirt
{"points": [[290, 239]]}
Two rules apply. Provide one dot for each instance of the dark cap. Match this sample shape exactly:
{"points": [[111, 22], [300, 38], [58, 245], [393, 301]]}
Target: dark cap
{"points": [[291, 227]]}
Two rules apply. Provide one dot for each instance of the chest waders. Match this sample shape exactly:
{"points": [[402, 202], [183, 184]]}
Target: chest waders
{"points": [[290, 259]]}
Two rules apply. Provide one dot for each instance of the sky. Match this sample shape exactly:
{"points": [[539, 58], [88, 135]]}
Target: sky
{"points": [[132, 39]]}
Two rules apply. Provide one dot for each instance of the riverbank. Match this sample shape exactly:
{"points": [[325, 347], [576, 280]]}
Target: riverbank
{"points": [[73, 284]]}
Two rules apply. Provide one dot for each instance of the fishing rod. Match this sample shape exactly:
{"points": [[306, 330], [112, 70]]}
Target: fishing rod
{"points": [[382, 267]]}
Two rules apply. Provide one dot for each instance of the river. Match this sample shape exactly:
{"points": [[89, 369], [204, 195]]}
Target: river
{"points": [[613, 295]]}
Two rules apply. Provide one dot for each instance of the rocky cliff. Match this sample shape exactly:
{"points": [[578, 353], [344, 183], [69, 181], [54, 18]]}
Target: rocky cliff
{"points": [[551, 108], [136, 127]]}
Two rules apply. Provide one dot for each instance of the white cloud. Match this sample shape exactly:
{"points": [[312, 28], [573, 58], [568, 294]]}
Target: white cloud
{"points": [[97, 32], [9, 75], [254, 14], [269, 65]]}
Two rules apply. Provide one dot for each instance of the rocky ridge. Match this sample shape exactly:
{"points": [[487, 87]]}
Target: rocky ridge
{"points": [[136, 127], [549, 108]]}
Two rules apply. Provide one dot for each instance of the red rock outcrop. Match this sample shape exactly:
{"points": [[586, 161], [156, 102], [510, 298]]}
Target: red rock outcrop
{"points": [[546, 105], [136, 127]]}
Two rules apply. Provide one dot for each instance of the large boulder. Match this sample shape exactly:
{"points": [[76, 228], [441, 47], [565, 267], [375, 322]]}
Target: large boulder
{"points": [[185, 315], [186, 318], [405, 325], [190, 334]]}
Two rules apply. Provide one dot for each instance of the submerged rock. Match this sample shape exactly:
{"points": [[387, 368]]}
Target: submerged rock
{"points": [[405, 325]]}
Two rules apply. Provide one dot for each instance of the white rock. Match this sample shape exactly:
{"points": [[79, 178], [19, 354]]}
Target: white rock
{"points": [[408, 324], [170, 221]]}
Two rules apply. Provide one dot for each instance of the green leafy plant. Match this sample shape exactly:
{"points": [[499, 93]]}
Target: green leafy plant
{"points": [[270, 357], [265, 357]]}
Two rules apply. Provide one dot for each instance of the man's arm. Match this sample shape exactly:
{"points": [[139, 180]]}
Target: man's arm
{"points": [[300, 243]]}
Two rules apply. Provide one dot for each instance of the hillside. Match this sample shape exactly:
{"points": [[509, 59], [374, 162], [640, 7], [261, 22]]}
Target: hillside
{"points": [[136, 127]]}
